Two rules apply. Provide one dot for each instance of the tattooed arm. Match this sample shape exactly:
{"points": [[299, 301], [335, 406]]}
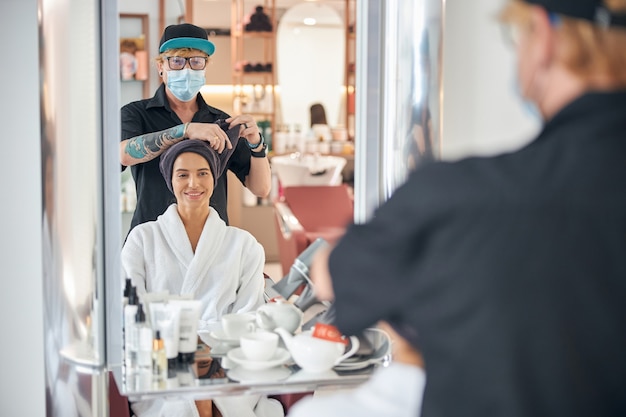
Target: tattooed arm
{"points": [[144, 148]]}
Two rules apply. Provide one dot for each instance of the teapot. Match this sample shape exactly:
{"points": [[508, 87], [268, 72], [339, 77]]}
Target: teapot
{"points": [[313, 354], [279, 314]]}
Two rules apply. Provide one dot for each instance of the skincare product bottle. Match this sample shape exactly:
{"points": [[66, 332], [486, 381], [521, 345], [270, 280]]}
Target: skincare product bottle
{"points": [[130, 310], [188, 330], [159, 359], [144, 341], [127, 288]]}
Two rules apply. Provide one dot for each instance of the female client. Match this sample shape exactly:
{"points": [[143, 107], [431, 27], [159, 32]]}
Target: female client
{"points": [[190, 250]]}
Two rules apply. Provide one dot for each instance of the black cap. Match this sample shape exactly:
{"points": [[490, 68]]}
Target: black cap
{"points": [[186, 35], [594, 11]]}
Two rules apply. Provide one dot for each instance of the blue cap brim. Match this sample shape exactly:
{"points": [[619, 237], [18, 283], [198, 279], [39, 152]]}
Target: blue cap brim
{"points": [[194, 43]]}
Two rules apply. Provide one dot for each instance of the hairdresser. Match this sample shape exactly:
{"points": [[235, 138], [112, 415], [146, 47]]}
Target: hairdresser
{"points": [[178, 112]]}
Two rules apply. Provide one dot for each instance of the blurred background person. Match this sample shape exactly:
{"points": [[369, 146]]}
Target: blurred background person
{"points": [[318, 114]]}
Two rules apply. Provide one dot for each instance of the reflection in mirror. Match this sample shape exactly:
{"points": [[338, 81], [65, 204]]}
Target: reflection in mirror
{"points": [[323, 67], [311, 55]]}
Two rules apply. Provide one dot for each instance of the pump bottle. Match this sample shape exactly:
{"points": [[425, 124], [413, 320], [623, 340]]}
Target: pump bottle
{"points": [[130, 310], [144, 341]]}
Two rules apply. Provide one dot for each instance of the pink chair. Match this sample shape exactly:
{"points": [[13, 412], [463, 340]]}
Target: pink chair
{"points": [[305, 213], [118, 404]]}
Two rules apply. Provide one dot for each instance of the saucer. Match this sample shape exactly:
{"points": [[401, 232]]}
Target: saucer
{"points": [[353, 366], [380, 344], [303, 376], [217, 336], [240, 374], [236, 355]]}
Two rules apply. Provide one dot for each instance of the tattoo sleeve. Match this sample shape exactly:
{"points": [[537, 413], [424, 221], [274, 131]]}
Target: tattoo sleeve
{"points": [[151, 145]]}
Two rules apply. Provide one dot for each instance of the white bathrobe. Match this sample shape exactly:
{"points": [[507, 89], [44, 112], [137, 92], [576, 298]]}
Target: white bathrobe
{"points": [[225, 273]]}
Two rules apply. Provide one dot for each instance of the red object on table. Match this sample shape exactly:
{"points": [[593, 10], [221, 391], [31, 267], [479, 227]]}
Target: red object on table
{"points": [[328, 332]]}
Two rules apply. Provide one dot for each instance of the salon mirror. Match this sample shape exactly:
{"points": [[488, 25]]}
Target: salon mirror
{"points": [[311, 60]]}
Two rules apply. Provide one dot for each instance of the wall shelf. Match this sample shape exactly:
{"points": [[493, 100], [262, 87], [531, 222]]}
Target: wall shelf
{"points": [[254, 48], [134, 30], [350, 64]]}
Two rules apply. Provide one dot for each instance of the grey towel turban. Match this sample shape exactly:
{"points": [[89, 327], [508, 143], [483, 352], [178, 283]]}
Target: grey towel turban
{"points": [[217, 162]]}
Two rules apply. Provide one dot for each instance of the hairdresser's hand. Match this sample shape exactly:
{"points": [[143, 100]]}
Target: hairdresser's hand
{"points": [[209, 132], [402, 350], [320, 275], [249, 128]]}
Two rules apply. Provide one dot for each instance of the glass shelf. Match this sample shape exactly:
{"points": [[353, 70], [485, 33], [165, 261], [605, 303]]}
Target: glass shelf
{"points": [[215, 374], [186, 384]]}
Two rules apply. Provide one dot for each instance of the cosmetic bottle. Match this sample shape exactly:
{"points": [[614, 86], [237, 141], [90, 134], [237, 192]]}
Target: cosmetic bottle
{"points": [[127, 291], [130, 310], [159, 358], [143, 337]]}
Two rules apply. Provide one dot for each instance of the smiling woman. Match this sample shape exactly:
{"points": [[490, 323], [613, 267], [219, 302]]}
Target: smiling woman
{"points": [[190, 251], [192, 184]]}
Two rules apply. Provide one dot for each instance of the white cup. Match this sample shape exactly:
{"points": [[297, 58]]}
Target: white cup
{"points": [[259, 346], [236, 325]]}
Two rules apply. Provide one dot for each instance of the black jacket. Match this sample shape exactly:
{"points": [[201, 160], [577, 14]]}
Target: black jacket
{"points": [[154, 115], [509, 272]]}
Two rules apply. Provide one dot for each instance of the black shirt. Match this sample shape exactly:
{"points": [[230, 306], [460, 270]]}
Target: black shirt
{"points": [[154, 115], [510, 271]]}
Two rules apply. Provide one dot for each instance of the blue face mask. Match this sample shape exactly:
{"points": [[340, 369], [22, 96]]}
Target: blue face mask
{"points": [[185, 83], [529, 106]]}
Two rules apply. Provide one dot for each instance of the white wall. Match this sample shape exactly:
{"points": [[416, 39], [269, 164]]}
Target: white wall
{"points": [[482, 114], [21, 298]]}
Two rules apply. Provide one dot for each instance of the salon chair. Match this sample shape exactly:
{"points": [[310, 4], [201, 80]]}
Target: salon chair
{"points": [[305, 213], [119, 405]]}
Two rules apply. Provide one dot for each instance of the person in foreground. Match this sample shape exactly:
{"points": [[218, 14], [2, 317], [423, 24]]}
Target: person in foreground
{"points": [[189, 250], [178, 112], [381, 395], [509, 270]]}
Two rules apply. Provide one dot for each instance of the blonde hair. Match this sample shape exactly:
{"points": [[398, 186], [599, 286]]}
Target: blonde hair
{"points": [[588, 51]]}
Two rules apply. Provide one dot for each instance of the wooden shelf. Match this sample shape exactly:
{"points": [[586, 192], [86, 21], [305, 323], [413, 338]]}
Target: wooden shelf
{"points": [[254, 74], [135, 26], [266, 35], [350, 60], [254, 47]]}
